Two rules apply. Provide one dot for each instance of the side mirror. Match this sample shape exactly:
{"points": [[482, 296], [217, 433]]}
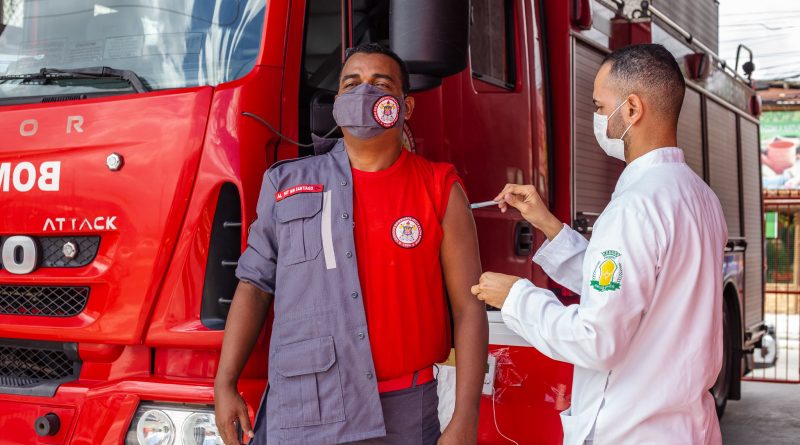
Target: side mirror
{"points": [[432, 37]]}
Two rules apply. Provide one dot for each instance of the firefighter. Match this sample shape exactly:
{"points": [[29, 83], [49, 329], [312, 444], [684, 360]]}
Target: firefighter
{"points": [[356, 247], [646, 338]]}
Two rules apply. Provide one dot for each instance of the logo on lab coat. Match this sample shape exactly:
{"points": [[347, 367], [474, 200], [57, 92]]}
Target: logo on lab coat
{"points": [[407, 232], [607, 275]]}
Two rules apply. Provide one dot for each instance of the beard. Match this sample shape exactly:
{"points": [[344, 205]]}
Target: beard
{"points": [[617, 126]]}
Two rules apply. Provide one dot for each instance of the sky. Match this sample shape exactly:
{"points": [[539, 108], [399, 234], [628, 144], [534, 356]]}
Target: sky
{"points": [[771, 28]]}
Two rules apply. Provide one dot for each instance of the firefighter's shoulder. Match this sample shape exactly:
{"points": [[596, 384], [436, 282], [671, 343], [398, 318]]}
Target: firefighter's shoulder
{"points": [[312, 168], [291, 172], [289, 164], [321, 148]]}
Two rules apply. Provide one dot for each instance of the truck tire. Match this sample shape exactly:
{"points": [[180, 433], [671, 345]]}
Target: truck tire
{"points": [[722, 386]]}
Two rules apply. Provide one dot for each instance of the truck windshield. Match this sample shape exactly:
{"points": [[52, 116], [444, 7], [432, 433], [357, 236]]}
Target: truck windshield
{"points": [[166, 43]]}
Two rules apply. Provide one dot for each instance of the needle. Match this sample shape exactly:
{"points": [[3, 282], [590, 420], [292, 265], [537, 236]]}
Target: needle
{"points": [[479, 205]]}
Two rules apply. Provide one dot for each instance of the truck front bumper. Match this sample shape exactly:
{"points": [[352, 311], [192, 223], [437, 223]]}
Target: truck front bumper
{"points": [[91, 412]]}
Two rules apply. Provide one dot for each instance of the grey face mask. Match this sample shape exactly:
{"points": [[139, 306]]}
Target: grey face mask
{"points": [[366, 111]]}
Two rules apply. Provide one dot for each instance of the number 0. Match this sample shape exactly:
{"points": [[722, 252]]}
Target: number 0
{"points": [[19, 255]]}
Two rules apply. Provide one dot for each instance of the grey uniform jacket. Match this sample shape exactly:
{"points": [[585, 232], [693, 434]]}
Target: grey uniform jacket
{"points": [[301, 248]]}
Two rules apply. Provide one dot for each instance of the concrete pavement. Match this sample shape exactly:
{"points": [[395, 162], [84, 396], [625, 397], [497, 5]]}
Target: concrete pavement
{"points": [[769, 413], [787, 332]]}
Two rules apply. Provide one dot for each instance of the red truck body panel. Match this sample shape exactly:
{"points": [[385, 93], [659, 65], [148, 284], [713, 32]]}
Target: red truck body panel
{"points": [[160, 136]]}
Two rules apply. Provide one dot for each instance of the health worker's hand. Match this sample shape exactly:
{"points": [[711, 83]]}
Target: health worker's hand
{"points": [[493, 288], [526, 199]]}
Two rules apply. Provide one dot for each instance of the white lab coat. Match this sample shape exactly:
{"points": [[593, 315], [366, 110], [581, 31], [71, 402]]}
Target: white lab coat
{"points": [[646, 338]]}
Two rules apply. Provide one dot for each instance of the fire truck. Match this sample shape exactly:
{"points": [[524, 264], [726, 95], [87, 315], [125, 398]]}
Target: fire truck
{"points": [[134, 139]]}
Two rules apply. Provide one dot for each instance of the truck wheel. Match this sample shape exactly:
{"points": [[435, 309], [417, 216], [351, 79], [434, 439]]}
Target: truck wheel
{"points": [[722, 386]]}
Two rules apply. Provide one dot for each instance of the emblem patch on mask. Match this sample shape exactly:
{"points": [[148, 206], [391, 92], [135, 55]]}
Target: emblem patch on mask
{"points": [[386, 111], [607, 275], [407, 232]]}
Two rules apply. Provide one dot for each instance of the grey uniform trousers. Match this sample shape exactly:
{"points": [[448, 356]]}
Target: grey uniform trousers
{"points": [[411, 417]]}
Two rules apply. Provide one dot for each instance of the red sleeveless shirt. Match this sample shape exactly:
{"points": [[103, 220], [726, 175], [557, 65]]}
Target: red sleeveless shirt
{"points": [[398, 233]]}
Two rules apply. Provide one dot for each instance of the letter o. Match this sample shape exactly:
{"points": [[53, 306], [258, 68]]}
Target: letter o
{"points": [[29, 127]]}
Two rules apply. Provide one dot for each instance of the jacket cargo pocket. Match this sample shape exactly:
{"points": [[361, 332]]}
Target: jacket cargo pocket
{"points": [[310, 385], [299, 228]]}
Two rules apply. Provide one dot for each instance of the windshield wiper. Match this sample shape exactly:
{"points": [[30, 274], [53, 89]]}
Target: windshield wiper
{"points": [[96, 72]]}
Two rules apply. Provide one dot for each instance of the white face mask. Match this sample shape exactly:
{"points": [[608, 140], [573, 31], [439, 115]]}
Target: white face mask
{"points": [[613, 147]]}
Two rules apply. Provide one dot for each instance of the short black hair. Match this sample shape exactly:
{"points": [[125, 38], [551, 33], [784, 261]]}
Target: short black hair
{"points": [[377, 48], [649, 70]]}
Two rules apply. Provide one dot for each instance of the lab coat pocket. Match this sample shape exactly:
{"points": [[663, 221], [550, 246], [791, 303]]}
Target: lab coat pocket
{"points": [[309, 383], [299, 229], [570, 425]]}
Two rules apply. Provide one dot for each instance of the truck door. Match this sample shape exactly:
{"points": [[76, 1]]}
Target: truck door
{"points": [[480, 120], [489, 122], [491, 143], [690, 131], [753, 230], [723, 171]]}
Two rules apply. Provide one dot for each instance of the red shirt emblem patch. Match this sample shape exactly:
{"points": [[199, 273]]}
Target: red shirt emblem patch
{"points": [[407, 232], [302, 188]]}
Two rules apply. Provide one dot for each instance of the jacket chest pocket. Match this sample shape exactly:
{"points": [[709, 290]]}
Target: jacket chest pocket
{"points": [[310, 385], [299, 228]]}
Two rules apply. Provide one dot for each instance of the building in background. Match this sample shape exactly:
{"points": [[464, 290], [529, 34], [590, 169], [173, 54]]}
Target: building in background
{"points": [[780, 139]]}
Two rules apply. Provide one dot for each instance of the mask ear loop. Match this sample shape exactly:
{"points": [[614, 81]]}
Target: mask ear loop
{"points": [[616, 109], [613, 112], [285, 138], [626, 130]]}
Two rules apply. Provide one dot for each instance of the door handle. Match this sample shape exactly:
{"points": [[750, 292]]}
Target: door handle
{"points": [[523, 238], [582, 224]]}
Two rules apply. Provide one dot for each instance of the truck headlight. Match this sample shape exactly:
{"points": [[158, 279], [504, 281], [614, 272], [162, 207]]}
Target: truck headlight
{"points": [[155, 427], [200, 429], [157, 424]]}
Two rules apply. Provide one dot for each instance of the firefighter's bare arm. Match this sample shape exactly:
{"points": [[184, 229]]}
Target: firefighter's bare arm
{"points": [[248, 311], [461, 266], [526, 199]]}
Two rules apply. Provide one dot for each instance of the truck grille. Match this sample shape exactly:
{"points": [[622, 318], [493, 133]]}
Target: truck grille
{"points": [[45, 301], [53, 255], [36, 368], [51, 250]]}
